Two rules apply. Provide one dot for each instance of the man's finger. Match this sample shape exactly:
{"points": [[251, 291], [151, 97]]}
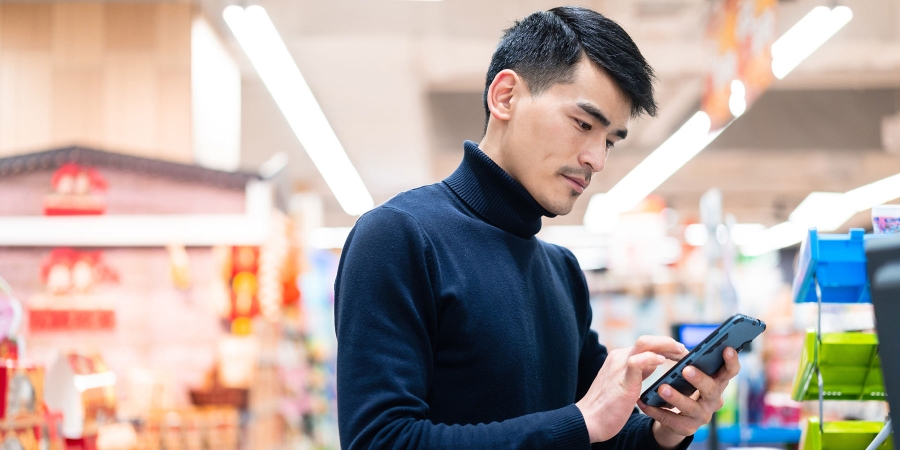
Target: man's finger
{"points": [[662, 345], [637, 364], [708, 387], [730, 369], [686, 406], [682, 425]]}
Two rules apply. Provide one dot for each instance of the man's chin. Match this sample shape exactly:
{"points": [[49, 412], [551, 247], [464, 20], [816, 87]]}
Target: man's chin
{"points": [[560, 208]]}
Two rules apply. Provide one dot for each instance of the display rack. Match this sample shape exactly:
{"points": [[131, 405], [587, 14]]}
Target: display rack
{"points": [[837, 366]]}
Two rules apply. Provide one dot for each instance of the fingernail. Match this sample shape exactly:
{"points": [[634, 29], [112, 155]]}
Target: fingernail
{"points": [[666, 392], [689, 372], [730, 352]]}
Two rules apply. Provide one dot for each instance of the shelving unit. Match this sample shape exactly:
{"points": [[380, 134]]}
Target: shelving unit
{"points": [[837, 366]]}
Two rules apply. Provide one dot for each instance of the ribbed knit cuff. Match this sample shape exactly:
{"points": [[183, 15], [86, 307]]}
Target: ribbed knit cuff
{"points": [[648, 437], [569, 430]]}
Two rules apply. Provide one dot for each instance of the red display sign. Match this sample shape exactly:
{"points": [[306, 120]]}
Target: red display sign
{"points": [[42, 320], [77, 190]]}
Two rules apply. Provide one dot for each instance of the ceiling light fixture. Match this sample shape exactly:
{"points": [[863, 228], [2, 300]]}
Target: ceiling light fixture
{"points": [[737, 102], [257, 35], [741, 232], [779, 236], [787, 52], [874, 194], [675, 152], [827, 211], [806, 36]]}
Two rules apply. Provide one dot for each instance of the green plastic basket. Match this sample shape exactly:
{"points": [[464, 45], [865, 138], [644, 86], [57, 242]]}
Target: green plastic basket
{"points": [[845, 435], [850, 367]]}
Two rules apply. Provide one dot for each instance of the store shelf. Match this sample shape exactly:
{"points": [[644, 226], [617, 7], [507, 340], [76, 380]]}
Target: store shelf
{"points": [[146, 230], [845, 435], [751, 435], [837, 366], [849, 364]]}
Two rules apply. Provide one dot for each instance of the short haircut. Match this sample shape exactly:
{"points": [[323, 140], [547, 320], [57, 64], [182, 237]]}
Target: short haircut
{"points": [[545, 48]]}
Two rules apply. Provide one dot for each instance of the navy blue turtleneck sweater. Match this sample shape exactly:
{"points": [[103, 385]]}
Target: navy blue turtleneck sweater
{"points": [[458, 329]]}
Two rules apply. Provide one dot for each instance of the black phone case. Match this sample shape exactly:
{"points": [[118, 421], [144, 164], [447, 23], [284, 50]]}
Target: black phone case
{"points": [[736, 332]]}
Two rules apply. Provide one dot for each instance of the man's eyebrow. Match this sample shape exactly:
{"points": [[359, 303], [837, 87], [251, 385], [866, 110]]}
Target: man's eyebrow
{"points": [[597, 114]]}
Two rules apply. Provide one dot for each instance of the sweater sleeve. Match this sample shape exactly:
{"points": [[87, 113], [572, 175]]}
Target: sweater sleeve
{"points": [[385, 320], [638, 430]]}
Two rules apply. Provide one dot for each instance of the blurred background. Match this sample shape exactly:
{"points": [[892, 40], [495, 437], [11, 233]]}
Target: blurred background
{"points": [[178, 178]]}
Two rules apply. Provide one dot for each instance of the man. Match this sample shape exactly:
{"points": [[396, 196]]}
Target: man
{"points": [[456, 327]]}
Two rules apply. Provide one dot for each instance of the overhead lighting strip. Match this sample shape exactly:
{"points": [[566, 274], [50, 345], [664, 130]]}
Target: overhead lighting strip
{"points": [[806, 36], [827, 211], [257, 35], [788, 51], [675, 152]]}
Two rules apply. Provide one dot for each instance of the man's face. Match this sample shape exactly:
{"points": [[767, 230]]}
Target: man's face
{"points": [[560, 138]]}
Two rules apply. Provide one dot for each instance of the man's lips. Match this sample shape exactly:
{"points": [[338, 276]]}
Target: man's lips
{"points": [[577, 184]]}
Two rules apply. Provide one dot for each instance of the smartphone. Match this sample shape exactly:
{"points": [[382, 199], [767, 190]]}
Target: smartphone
{"points": [[737, 332]]}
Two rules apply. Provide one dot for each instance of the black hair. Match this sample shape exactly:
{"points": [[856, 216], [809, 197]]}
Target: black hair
{"points": [[545, 48]]}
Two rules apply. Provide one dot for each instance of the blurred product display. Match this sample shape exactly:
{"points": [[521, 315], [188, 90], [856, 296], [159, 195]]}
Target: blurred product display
{"points": [[180, 346]]}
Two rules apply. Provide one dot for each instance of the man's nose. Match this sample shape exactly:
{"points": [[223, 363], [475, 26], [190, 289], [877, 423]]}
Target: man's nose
{"points": [[595, 158]]}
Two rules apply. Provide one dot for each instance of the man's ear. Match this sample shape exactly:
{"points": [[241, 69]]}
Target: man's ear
{"points": [[502, 94]]}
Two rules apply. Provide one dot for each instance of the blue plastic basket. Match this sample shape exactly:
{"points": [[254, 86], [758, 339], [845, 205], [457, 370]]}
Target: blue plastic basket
{"points": [[838, 262]]}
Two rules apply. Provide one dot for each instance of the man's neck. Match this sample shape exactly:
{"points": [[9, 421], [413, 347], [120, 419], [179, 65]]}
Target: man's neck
{"points": [[494, 145]]}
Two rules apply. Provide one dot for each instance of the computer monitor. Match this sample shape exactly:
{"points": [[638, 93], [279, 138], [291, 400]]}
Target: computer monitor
{"points": [[692, 334], [883, 266]]}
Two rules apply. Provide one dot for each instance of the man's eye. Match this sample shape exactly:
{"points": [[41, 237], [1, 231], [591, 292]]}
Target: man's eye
{"points": [[610, 144], [584, 125]]}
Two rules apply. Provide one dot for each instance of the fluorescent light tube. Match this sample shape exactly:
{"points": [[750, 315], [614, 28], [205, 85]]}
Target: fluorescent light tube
{"points": [[257, 35], [697, 235], [737, 102], [787, 52], [806, 36], [740, 233], [874, 194], [826, 211], [689, 140], [779, 236], [675, 152]]}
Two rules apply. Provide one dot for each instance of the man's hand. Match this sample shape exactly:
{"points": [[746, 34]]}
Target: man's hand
{"points": [[616, 388], [671, 427]]}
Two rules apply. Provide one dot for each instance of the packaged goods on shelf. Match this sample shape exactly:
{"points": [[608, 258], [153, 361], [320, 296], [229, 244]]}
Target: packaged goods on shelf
{"points": [[83, 388]]}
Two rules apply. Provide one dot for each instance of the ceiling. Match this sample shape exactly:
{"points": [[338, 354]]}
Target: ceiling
{"points": [[400, 82]]}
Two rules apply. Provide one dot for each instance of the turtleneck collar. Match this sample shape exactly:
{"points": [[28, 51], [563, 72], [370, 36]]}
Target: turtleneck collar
{"points": [[494, 195]]}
